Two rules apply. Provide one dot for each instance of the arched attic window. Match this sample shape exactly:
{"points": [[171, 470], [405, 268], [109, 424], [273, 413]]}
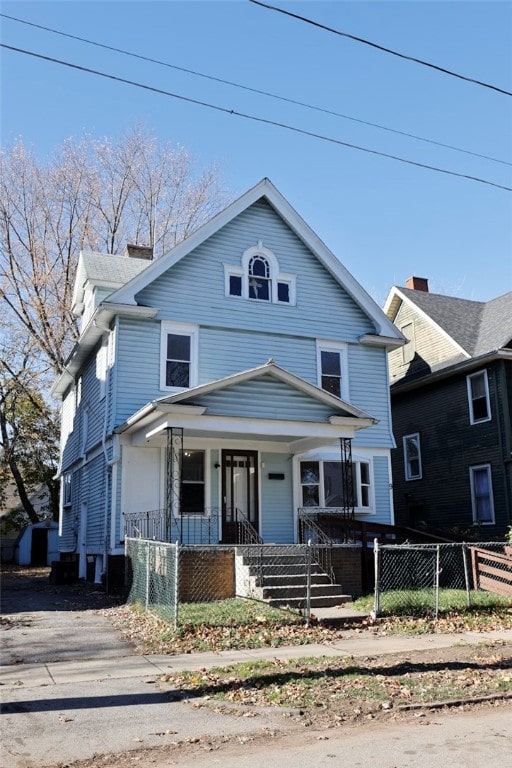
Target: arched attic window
{"points": [[259, 278]]}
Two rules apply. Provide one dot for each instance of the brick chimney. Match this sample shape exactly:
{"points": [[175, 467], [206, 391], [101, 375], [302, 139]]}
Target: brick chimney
{"points": [[417, 284], [138, 251]]}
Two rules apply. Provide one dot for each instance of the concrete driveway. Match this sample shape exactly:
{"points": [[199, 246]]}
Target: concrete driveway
{"points": [[43, 622], [71, 688]]}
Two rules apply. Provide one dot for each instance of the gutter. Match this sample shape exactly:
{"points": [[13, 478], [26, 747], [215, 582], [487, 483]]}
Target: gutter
{"points": [[466, 365]]}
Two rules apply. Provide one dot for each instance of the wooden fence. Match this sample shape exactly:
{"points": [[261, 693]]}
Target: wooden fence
{"points": [[492, 571]]}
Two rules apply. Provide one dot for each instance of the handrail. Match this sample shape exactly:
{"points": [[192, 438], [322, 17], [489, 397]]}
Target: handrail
{"points": [[321, 545], [249, 533]]}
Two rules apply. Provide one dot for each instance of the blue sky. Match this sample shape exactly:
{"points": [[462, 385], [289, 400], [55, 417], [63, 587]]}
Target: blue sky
{"points": [[383, 219]]}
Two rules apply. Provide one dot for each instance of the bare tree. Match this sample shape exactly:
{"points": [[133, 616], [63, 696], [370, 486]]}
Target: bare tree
{"points": [[94, 195], [90, 194]]}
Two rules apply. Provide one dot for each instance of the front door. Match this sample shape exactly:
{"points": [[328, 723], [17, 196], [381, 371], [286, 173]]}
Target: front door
{"points": [[239, 493]]}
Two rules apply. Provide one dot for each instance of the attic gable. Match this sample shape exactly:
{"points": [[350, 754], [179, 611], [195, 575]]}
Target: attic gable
{"points": [[267, 192], [474, 327]]}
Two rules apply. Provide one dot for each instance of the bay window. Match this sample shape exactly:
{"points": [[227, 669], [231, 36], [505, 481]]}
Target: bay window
{"points": [[321, 485]]}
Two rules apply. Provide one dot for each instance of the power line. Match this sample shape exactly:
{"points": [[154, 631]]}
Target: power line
{"points": [[380, 47], [255, 90], [255, 118]]}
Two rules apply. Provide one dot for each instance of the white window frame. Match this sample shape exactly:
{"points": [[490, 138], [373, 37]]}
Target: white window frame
{"points": [[324, 345], [469, 380], [472, 471], [276, 277], [356, 461], [409, 349], [101, 367], [67, 490], [179, 329], [407, 461], [205, 483]]}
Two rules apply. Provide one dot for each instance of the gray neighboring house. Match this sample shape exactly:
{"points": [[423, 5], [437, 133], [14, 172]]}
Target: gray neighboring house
{"points": [[451, 400]]}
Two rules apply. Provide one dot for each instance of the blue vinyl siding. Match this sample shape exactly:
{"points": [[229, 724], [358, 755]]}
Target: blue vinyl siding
{"points": [[95, 489], [265, 398], [225, 352], [277, 514], [369, 391], [381, 475], [193, 290]]}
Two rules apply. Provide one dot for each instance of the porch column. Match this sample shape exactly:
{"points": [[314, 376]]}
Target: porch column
{"points": [[174, 479], [347, 476]]}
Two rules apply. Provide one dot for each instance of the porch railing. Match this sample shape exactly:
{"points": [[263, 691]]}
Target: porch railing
{"points": [[336, 523], [246, 533], [200, 528]]}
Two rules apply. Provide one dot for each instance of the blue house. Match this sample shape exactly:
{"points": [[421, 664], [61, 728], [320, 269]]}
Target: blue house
{"points": [[223, 392]]}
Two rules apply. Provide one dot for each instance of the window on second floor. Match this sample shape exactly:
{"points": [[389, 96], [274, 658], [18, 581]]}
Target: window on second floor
{"points": [[481, 494], [259, 278], [66, 490], [179, 355], [332, 368], [412, 457], [478, 397]]}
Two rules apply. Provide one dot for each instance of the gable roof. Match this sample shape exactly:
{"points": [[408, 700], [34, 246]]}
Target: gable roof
{"points": [[476, 327], [264, 189], [191, 397]]}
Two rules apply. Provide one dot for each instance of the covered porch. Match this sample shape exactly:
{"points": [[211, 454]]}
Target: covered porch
{"points": [[230, 463]]}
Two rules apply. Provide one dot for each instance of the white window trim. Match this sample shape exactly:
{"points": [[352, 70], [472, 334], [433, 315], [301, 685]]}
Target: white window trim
{"points": [[101, 367], [357, 460], [183, 329], [469, 378], [276, 277], [408, 475], [473, 495], [324, 345], [67, 490], [409, 349], [206, 483]]}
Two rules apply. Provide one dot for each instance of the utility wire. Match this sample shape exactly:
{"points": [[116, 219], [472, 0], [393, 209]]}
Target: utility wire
{"points": [[380, 47], [255, 90], [246, 116]]}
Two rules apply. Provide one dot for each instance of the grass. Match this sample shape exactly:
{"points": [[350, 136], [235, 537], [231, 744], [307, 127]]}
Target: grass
{"points": [[421, 601], [241, 623], [341, 688]]}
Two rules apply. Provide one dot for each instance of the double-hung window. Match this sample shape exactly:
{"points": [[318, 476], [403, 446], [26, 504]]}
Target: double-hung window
{"points": [[412, 457], [481, 494], [179, 349], [332, 368], [478, 397], [193, 483], [322, 486]]}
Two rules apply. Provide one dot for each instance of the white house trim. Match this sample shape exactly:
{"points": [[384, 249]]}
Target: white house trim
{"points": [[391, 308], [264, 189]]}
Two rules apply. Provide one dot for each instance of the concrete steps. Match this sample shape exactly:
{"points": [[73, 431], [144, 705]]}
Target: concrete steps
{"points": [[278, 575]]}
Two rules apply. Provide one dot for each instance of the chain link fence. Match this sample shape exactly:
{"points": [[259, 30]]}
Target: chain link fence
{"points": [[151, 576], [413, 579], [162, 577]]}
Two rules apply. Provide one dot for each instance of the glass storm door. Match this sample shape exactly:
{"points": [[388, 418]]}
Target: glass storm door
{"points": [[239, 492]]}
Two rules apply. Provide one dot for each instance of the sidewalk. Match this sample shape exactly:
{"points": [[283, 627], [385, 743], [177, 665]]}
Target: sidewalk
{"points": [[122, 667]]}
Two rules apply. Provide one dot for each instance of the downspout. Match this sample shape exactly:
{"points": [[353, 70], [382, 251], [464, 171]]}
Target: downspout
{"points": [[107, 467]]}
